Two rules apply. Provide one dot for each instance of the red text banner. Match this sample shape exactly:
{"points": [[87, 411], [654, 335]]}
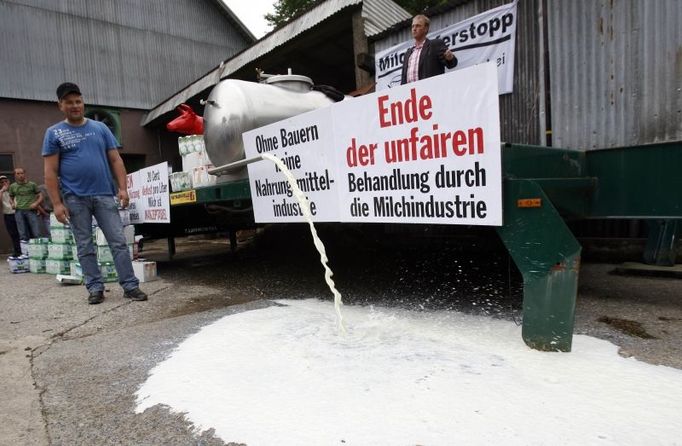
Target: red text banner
{"points": [[149, 195]]}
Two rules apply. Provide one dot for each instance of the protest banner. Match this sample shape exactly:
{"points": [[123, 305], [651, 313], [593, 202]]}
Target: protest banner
{"points": [[486, 37], [300, 142], [426, 152], [149, 195]]}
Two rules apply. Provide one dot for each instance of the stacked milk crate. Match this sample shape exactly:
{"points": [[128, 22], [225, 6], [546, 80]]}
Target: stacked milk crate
{"points": [[61, 249], [62, 255], [37, 255], [195, 165], [19, 264]]}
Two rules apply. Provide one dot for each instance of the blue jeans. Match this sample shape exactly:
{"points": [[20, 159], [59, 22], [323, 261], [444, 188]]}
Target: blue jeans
{"points": [[27, 224], [105, 211]]}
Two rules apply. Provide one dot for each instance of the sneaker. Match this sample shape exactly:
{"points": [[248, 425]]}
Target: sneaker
{"points": [[96, 297], [136, 294]]}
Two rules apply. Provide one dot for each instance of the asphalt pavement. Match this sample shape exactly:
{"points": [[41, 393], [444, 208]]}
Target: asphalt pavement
{"points": [[70, 370]]}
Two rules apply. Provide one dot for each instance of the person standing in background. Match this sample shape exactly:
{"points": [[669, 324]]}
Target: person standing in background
{"points": [[25, 198], [8, 215], [83, 172], [428, 57]]}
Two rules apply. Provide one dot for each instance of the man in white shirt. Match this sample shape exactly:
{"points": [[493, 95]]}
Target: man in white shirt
{"points": [[8, 214], [428, 57]]}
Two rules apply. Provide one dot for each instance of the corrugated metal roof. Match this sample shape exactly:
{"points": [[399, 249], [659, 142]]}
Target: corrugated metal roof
{"points": [[377, 14], [122, 53], [406, 24], [616, 72], [381, 14]]}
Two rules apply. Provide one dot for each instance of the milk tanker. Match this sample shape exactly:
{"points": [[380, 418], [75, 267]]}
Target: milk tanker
{"points": [[232, 108], [235, 107]]}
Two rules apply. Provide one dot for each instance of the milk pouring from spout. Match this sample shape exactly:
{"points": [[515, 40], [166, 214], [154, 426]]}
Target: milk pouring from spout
{"points": [[305, 207]]}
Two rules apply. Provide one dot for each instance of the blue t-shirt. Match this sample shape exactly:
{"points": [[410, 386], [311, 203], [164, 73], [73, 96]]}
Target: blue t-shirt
{"points": [[83, 163]]}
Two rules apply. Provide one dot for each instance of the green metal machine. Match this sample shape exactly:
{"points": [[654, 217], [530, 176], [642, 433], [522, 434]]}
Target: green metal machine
{"points": [[542, 188]]}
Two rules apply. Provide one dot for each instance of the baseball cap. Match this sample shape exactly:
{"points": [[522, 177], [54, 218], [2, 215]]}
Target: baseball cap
{"points": [[66, 88], [3, 177]]}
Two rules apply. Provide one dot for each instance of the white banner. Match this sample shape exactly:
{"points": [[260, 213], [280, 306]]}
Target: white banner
{"points": [[487, 37], [426, 152], [149, 195]]}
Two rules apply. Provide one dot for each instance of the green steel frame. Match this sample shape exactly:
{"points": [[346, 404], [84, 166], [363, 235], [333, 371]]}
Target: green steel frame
{"points": [[637, 182], [237, 190], [548, 257], [630, 182], [537, 238]]}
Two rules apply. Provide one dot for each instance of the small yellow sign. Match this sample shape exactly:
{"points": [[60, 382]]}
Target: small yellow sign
{"points": [[189, 196], [529, 203]]}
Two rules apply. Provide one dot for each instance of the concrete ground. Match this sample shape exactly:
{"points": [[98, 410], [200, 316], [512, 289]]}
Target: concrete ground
{"points": [[70, 370]]}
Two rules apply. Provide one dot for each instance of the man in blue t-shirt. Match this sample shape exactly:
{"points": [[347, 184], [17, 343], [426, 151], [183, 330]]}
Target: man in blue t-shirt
{"points": [[83, 173]]}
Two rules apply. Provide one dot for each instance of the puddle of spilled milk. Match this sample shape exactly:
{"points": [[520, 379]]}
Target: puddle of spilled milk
{"points": [[285, 375]]}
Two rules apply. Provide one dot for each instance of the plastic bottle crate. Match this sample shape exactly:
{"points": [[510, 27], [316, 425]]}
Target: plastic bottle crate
{"points": [[107, 268], [104, 253], [18, 265], [37, 266], [60, 251], [56, 266], [61, 235], [37, 248]]}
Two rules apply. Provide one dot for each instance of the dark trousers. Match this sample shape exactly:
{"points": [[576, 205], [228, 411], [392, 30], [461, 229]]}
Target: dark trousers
{"points": [[11, 225]]}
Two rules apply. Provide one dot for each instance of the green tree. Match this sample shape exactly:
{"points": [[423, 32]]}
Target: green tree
{"points": [[285, 10]]}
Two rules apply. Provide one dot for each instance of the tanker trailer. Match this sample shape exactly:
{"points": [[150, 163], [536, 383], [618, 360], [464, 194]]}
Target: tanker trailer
{"points": [[234, 107]]}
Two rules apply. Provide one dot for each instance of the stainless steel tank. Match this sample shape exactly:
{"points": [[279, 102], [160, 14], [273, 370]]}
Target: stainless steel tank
{"points": [[235, 106]]}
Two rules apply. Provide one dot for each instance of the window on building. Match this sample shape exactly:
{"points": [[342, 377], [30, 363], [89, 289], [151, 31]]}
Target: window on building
{"points": [[7, 166]]}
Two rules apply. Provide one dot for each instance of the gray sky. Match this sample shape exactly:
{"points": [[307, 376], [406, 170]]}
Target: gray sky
{"points": [[251, 13]]}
